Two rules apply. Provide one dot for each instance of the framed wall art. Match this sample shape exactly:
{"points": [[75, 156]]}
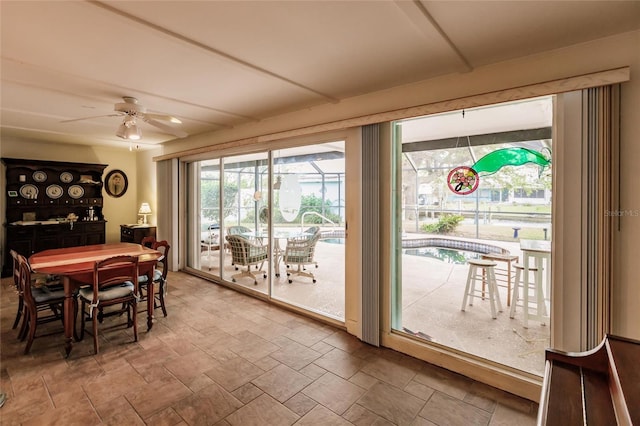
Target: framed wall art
{"points": [[116, 183]]}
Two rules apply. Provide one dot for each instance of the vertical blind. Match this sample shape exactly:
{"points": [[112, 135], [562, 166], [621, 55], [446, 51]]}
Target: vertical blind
{"points": [[370, 234], [601, 207]]}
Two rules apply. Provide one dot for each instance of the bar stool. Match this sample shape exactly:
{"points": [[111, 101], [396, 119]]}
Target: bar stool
{"points": [[531, 298], [478, 269]]}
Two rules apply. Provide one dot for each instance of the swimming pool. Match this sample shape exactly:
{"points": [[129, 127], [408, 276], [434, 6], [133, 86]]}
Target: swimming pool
{"points": [[333, 240], [446, 255]]}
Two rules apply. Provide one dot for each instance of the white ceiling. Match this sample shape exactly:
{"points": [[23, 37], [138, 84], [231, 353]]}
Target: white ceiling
{"points": [[218, 64]]}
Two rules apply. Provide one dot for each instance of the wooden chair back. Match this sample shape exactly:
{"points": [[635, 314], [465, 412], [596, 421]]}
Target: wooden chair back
{"points": [[114, 271], [163, 262]]}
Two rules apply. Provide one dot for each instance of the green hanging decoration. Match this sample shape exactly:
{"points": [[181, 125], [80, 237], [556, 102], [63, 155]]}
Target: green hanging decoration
{"points": [[464, 180], [495, 160]]}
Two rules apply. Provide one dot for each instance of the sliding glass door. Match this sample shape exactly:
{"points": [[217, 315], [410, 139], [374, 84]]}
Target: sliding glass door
{"points": [[475, 185], [308, 227], [293, 252]]}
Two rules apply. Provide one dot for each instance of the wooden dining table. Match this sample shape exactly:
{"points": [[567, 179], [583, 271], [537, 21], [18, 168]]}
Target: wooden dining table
{"points": [[76, 265]]}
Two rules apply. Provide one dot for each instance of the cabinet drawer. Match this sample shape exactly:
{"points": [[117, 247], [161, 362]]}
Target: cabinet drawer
{"points": [[19, 233], [94, 227], [48, 230]]}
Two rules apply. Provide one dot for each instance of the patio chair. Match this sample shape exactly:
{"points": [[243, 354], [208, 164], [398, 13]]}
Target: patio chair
{"points": [[247, 253], [300, 252], [210, 241]]}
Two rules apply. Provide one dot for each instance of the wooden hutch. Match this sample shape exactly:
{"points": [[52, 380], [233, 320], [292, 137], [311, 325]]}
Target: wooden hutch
{"points": [[51, 204]]}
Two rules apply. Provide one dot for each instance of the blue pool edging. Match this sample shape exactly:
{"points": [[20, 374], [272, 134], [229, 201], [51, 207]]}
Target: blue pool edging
{"points": [[449, 243], [481, 248]]}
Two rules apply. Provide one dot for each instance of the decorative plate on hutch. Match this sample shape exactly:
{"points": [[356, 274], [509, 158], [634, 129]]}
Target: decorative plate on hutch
{"points": [[75, 191], [66, 177], [54, 191], [39, 176], [28, 191]]}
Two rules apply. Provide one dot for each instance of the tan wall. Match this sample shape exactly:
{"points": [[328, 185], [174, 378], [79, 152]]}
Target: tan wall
{"points": [[626, 292]]}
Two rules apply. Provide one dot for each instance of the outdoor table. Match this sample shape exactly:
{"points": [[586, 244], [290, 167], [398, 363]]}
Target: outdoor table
{"points": [[538, 251]]}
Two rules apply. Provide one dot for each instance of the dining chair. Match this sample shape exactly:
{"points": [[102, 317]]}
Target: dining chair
{"points": [[159, 273], [37, 301], [247, 253], [52, 283], [115, 282], [16, 283], [300, 251]]}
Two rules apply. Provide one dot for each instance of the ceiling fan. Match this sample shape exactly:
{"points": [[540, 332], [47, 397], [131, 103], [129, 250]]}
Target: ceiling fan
{"points": [[133, 112]]}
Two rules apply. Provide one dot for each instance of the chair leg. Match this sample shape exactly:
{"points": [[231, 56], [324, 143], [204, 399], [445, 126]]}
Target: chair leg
{"points": [[134, 307], [161, 291], [470, 276], [24, 328], [83, 322], [75, 318], [33, 324], [514, 294], [94, 320], [492, 275], [19, 313]]}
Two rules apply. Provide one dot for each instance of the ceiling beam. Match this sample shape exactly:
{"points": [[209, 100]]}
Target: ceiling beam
{"points": [[210, 49], [417, 12]]}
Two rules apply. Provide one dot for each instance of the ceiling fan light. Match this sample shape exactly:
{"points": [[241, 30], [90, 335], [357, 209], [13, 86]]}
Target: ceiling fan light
{"points": [[133, 132], [121, 132]]}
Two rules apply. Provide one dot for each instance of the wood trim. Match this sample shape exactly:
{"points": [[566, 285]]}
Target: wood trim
{"points": [[568, 84]]}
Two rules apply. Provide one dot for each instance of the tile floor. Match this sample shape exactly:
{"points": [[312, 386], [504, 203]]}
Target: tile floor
{"points": [[223, 358], [432, 292]]}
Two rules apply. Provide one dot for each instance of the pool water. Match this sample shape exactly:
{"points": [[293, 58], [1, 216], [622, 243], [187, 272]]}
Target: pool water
{"points": [[446, 255], [333, 240]]}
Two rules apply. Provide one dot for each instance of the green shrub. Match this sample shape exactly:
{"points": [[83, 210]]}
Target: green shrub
{"points": [[446, 223]]}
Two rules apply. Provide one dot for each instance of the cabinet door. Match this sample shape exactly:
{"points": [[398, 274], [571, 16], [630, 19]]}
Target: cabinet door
{"points": [[23, 247], [47, 237], [95, 238], [94, 233], [46, 243], [72, 240]]}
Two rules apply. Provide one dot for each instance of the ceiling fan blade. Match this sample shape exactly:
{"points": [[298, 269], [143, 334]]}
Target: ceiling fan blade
{"points": [[89, 118], [165, 128], [163, 117]]}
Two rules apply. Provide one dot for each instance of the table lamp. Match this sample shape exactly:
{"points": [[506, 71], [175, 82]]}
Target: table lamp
{"points": [[145, 210]]}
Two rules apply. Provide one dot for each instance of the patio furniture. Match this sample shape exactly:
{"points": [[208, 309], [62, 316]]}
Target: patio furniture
{"points": [[300, 251], [504, 274], [247, 253], [479, 269], [530, 296]]}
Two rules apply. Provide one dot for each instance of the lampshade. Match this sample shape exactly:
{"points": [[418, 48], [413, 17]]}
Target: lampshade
{"points": [[145, 209], [121, 131], [129, 130]]}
